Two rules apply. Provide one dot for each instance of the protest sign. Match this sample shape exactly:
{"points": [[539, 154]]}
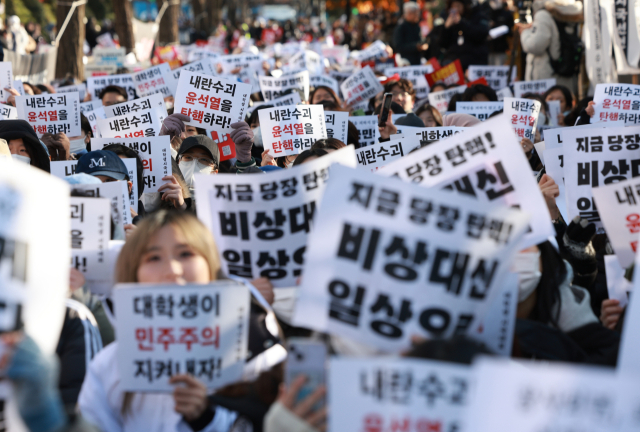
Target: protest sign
{"points": [[386, 394], [308, 60], [8, 112], [201, 330], [360, 87], [85, 107], [448, 161], [617, 102], [93, 117], [291, 130], [51, 113], [629, 354], [62, 169], [93, 70], [152, 102], [594, 157], [117, 193], [155, 153], [415, 74], [6, 80], [449, 74], [156, 79], [378, 155], [337, 124], [376, 50], [34, 258], [273, 88], [618, 206], [326, 81], [144, 123], [96, 84], [132, 168], [211, 102], [339, 53], [232, 62], [537, 86], [90, 234], [368, 132], [480, 110], [441, 99], [432, 134], [618, 287], [197, 54], [523, 115], [204, 66], [504, 93], [109, 56], [290, 99], [339, 76], [438, 251], [554, 167], [80, 88], [261, 224], [554, 112], [497, 76]]}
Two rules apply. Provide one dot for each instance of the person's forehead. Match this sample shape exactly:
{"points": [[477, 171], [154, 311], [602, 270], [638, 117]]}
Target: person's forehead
{"points": [[197, 151], [112, 95]]}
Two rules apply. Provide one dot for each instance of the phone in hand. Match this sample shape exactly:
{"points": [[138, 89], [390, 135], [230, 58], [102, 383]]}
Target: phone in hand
{"points": [[386, 107], [308, 358]]}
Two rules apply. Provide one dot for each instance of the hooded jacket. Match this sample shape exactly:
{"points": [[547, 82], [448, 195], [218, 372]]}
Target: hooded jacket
{"points": [[543, 38], [15, 129]]}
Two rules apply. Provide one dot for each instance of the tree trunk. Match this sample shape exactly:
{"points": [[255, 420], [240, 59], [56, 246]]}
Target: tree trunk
{"points": [[169, 23], [69, 61], [213, 14], [124, 28], [199, 16]]}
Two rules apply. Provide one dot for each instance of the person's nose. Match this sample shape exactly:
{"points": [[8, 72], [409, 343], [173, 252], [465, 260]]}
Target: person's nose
{"points": [[174, 272]]}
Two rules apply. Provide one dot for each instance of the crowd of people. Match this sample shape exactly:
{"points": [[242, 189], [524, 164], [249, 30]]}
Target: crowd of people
{"points": [[564, 312]]}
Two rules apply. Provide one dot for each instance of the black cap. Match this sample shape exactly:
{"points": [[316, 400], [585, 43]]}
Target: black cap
{"points": [[102, 162], [410, 120], [201, 141]]}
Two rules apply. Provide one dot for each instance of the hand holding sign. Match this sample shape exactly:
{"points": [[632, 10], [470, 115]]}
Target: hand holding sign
{"points": [[174, 125], [190, 397]]}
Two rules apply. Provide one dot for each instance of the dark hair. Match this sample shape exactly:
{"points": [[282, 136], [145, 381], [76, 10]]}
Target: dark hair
{"points": [[466, 3], [43, 88], [254, 117], [123, 150], [554, 273], [403, 83], [571, 118], [395, 109], [568, 96], [479, 89], [434, 112], [114, 89], [36, 90], [330, 106], [438, 84], [539, 98], [329, 90], [85, 125], [458, 349], [353, 136], [328, 143], [452, 102], [309, 153]]}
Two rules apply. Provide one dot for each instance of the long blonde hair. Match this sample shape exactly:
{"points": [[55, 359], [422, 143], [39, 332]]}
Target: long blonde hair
{"points": [[196, 234]]}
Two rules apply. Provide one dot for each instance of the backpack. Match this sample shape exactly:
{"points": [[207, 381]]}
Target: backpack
{"points": [[571, 50]]}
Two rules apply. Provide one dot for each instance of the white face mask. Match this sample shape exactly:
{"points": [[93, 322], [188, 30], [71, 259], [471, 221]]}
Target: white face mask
{"points": [[151, 201], [25, 159], [77, 145], [174, 153], [257, 137], [189, 169], [542, 119], [168, 104], [527, 265]]}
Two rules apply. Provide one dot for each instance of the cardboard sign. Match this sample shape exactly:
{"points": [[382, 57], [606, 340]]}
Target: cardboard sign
{"points": [[441, 99], [415, 74], [273, 88], [156, 79], [337, 124], [261, 223], [385, 394], [96, 84], [8, 112], [447, 162], [34, 258], [93, 117], [368, 132], [360, 87], [378, 155], [291, 130], [497, 76], [537, 87], [80, 88], [145, 123], [202, 330], [152, 102], [618, 206], [51, 113], [523, 115], [617, 102], [449, 74], [387, 260], [90, 234], [326, 81], [211, 102], [480, 110], [155, 153], [595, 157]]}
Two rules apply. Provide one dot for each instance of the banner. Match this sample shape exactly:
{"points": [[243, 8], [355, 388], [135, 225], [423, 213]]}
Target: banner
{"points": [[597, 43], [291, 130], [33, 68], [623, 22], [449, 74]]}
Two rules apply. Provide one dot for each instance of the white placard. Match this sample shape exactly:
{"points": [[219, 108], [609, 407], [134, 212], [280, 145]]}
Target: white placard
{"points": [[360, 87], [118, 194], [156, 79], [385, 394], [504, 93], [261, 224], [554, 166], [90, 234], [201, 330], [326, 81], [155, 153], [204, 66], [537, 87], [554, 112], [152, 102], [51, 113], [617, 102], [80, 88], [197, 54], [243, 61], [109, 55], [488, 142], [618, 206], [368, 132], [93, 117], [387, 260], [377, 155], [629, 354], [337, 124], [132, 168], [618, 287], [8, 112], [6, 79], [497, 76], [523, 116], [480, 110], [441, 99], [594, 157], [211, 102], [96, 84], [415, 74], [376, 50], [291, 130], [286, 100], [92, 105], [142, 124], [62, 169], [431, 134], [273, 88], [308, 60]]}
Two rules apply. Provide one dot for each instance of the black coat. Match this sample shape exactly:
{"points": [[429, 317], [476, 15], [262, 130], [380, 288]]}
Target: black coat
{"points": [[474, 30], [406, 38], [20, 129]]}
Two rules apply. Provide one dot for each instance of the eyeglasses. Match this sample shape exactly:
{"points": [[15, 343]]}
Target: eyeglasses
{"points": [[201, 160]]}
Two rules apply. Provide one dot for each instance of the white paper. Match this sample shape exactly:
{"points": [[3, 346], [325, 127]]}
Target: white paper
{"points": [[156, 79], [496, 76], [618, 287], [92, 105], [118, 194], [554, 112], [96, 84], [273, 88], [141, 124], [368, 132], [93, 117], [480, 110], [415, 74], [523, 116], [441, 99], [291, 130], [378, 155], [8, 112], [337, 125], [360, 87], [616, 102], [80, 88], [537, 87], [51, 113], [554, 167]]}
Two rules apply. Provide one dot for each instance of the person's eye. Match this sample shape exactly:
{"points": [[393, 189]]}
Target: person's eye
{"points": [[186, 254], [152, 258]]}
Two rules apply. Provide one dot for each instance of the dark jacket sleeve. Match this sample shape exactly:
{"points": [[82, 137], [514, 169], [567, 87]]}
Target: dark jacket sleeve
{"points": [[402, 44]]}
